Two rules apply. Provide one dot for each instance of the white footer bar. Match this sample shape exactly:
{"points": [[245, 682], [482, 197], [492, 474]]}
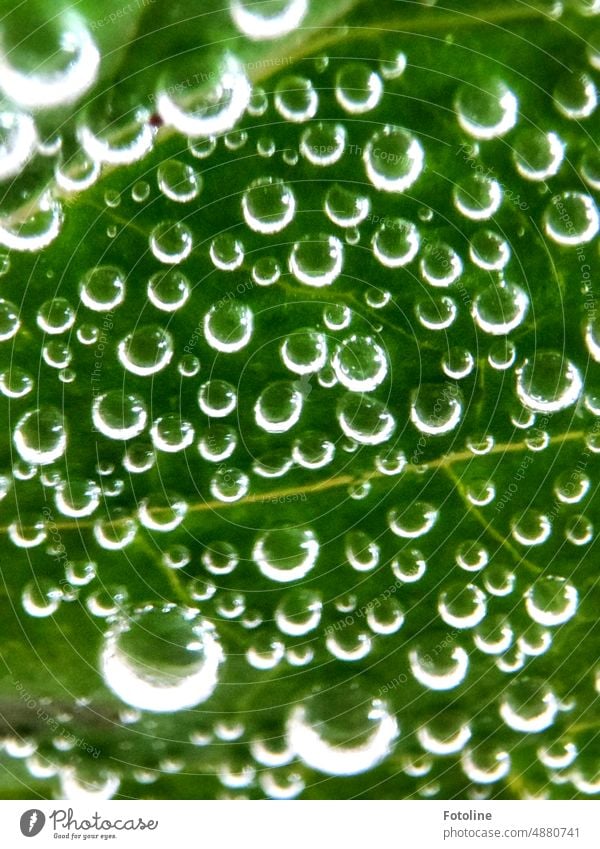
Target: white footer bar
{"points": [[302, 825]]}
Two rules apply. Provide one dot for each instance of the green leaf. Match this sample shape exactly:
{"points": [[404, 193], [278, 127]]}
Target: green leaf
{"points": [[300, 490]]}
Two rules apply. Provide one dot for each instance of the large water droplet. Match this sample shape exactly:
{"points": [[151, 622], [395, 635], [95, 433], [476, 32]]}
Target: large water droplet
{"points": [[396, 242], [304, 351], [260, 21], [341, 733], [161, 659], [528, 706], [487, 111]]}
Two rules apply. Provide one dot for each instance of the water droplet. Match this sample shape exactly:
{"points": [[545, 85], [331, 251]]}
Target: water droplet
{"points": [[77, 498], [436, 410], [171, 242], [531, 528], [571, 218], [323, 144], [304, 351], [360, 364], [458, 363], [358, 89], [528, 706], [299, 612], [313, 451], [267, 20], [40, 436], [500, 309], [362, 552], [441, 265], [538, 155], [168, 290], [17, 141], [228, 326], [413, 520], [178, 181], [229, 484], [548, 382], [278, 407], [551, 601], [286, 554], [396, 242], [146, 350], [55, 316], [462, 606], [102, 288], [571, 487], [409, 566], [437, 313], [212, 108], [575, 96], [478, 197], [171, 433], [268, 205], [9, 320], [37, 231], [337, 316], [317, 261], [341, 732], [15, 383], [486, 764], [489, 250], [115, 139], [217, 399], [443, 667], [493, 635], [295, 99], [58, 78], [226, 252], [346, 207], [394, 159], [41, 598], [365, 420], [487, 111]]}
